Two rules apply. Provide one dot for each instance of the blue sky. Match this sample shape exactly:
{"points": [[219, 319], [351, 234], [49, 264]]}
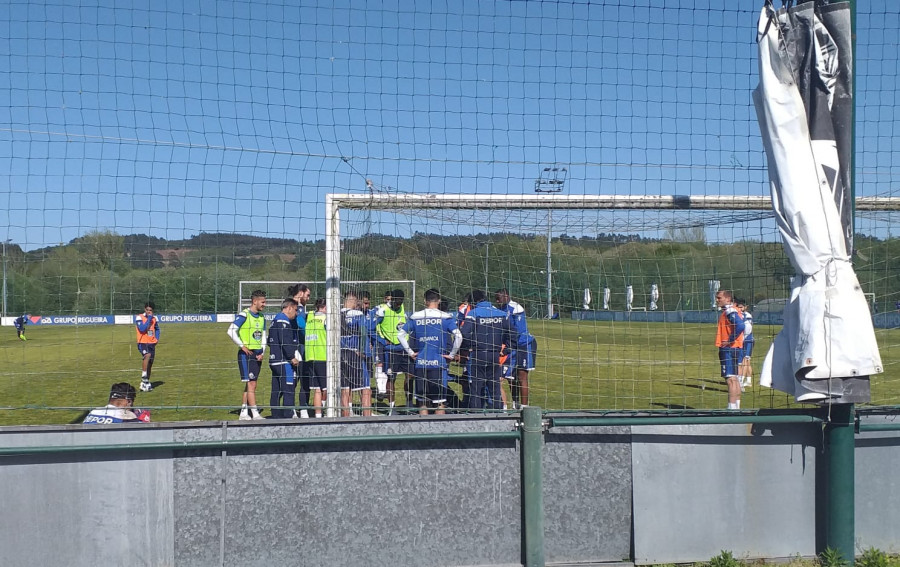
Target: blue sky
{"points": [[173, 118]]}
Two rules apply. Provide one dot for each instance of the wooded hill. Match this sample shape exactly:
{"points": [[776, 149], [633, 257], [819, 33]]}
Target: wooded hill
{"points": [[103, 272]]}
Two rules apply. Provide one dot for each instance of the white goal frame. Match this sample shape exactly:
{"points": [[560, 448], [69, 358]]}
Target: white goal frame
{"points": [[407, 202]]}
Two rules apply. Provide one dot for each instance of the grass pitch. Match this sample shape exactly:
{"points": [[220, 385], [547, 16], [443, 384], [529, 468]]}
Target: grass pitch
{"points": [[60, 373]]}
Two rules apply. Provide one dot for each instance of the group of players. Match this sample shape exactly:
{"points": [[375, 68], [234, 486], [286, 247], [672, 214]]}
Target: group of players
{"points": [[734, 338], [490, 342]]}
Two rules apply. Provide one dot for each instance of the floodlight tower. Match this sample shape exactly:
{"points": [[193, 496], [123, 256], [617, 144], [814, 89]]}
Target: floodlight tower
{"points": [[551, 180]]}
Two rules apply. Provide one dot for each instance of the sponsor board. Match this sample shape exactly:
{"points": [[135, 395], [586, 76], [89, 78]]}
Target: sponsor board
{"points": [[76, 320], [187, 318]]}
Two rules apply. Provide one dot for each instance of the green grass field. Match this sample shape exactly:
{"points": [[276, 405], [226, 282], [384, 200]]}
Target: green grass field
{"points": [[62, 372]]}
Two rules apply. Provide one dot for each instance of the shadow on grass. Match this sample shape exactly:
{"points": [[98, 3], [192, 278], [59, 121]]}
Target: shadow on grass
{"points": [[705, 388]]}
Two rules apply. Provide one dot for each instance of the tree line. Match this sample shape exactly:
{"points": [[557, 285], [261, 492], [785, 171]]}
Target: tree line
{"points": [[103, 272]]}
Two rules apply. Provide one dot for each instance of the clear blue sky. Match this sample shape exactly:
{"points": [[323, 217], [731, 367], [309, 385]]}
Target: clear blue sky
{"points": [[189, 116]]}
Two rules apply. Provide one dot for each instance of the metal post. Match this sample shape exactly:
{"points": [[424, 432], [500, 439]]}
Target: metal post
{"points": [[549, 264], [532, 487], [4, 275], [333, 303], [840, 530]]}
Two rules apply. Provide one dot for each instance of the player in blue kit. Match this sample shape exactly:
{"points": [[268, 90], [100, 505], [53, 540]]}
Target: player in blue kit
{"points": [[389, 320], [523, 354], [485, 330], [248, 332], [354, 374], [19, 323], [746, 369], [433, 329], [119, 408], [284, 355], [300, 293]]}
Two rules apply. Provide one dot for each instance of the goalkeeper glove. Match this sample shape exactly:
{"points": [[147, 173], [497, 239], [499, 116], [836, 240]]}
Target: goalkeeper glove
{"points": [[142, 415]]}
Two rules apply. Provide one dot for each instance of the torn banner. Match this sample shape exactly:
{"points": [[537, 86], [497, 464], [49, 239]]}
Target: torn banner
{"points": [[826, 350]]}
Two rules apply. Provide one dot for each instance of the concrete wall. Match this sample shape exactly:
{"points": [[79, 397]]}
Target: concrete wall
{"points": [[694, 490]]}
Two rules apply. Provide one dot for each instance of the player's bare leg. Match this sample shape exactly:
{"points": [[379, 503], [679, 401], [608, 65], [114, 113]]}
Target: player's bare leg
{"points": [[734, 392], [365, 401], [508, 383], [317, 401], [251, 399], [345, 402], [521, 387], [390, 389]]}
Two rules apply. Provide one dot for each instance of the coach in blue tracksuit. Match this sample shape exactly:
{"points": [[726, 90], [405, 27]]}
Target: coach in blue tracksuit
{"points": [[485, 330], [283, 356]]}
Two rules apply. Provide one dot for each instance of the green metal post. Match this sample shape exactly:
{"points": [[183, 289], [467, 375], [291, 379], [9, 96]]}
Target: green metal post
{"points": [[840, 530], [532, 486]]}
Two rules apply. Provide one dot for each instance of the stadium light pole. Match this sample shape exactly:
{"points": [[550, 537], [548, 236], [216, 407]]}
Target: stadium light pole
{"points": [[551, 180], [5, 242]]}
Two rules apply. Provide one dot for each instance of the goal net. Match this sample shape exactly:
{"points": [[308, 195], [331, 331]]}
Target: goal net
{"points": [[168, 152], [275, 290]]}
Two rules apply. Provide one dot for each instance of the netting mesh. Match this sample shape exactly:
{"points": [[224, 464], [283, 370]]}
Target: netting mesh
{"points": [[169, 152]]}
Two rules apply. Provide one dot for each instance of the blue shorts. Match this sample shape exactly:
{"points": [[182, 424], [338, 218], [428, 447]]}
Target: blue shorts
{"points": [[397, 362], [430, 385], [521, 358], [318, 374], [249, 366], [147, 348], [730, 358], [353, 370], [748, 348]]}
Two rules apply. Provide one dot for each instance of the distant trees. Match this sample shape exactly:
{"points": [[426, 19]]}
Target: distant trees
{"points": [[103, 272]]}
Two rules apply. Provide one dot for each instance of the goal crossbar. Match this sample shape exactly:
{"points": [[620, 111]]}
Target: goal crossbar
{"points": [[394, 202]]}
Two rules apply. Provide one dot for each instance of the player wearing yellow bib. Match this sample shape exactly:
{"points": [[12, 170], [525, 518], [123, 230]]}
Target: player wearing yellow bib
{"points": [[316, 351], [388, 320], [248, 332]]}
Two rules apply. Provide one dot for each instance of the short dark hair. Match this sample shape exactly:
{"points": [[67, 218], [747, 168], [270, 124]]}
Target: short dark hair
{"points": [[397, 294], [432, 295], [150, 305], [364, 295], [350, 292], [387, 293], [122, 391], [320, 302], [287, 302], [478, 296], [257, 293], [739, 301], [296, 288], [502, 290]]}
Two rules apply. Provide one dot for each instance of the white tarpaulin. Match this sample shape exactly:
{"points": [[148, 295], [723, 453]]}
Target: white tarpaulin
{"points": [[826, 349], [654, 297], [629, 297], [587, 298], [606, 294]]}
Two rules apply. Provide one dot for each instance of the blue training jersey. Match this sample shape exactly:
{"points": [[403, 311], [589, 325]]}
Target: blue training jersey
{"points": [[517, 318], [436, 334], [353, 323], [485, 330], [748, 327]]}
